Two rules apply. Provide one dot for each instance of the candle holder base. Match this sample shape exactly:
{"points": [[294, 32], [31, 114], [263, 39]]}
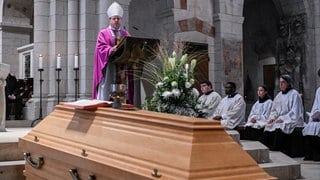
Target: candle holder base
{"points": [[117, 103]]}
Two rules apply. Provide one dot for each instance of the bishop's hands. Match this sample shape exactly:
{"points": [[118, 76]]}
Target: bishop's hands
{"points": [[114, 48]]}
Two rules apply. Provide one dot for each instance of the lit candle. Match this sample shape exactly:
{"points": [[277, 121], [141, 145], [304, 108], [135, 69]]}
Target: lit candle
{"points": [[76, 61], [186, 66], [40, 61], [58, 61]]}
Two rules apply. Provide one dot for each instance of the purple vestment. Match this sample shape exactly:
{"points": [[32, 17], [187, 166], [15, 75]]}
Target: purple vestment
{"points": [[104, 44]]}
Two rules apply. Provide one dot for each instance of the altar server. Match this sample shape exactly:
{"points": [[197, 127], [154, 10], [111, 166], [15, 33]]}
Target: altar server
{"points": [[209, 100], [259, 115], [312, 130], [231, 109], [286, 114]]}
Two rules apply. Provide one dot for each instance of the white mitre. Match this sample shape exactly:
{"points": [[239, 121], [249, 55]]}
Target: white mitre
{"points": [[115, 10]]}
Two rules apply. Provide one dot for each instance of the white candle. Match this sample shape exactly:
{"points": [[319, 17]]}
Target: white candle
{"points": [[76, 61], [40, 61], [186, 66], [58, 61]]}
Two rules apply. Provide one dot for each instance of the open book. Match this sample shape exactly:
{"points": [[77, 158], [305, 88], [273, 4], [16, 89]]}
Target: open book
{"points": [[88, 104], [93, 104]]}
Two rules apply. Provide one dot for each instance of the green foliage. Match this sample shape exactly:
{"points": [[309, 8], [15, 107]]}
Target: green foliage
{"points": [[173, 80]]}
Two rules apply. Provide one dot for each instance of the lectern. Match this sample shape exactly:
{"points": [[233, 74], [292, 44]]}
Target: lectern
{"points": [[129, 59]]}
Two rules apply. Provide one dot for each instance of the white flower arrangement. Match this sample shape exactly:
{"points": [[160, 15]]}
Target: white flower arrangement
{"points": [[173, 81]]}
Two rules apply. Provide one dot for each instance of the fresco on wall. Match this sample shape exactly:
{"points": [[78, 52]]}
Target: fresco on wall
{"points": [[232, 58]]}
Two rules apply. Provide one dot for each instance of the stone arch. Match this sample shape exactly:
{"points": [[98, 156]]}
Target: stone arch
{"points": [[193, 21], [194, 27], [287, 49]]}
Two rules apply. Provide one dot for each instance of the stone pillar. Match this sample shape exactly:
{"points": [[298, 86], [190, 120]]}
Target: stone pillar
{"points": [[41, 46], [73, 45], [57, 45], [228, 43], [4, 70]]}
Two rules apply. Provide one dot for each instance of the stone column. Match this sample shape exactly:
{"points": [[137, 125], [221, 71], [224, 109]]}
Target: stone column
{"points": [[228, 46], [41, 46], [73, 45], [4, 70]]}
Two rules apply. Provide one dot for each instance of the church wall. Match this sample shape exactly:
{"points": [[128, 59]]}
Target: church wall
{"points": [[216, 23], [142, 22], [15, 30], [290, 7], [307, 7], [10, 42]]}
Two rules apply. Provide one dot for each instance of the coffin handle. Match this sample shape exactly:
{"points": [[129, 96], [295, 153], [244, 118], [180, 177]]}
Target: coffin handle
{"points": [[155, 173], [74, 173], [37, 165], [92, 177]]}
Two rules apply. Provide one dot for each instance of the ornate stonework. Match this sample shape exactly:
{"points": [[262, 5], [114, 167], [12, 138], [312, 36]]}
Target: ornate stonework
{"points": [[291, 49]]}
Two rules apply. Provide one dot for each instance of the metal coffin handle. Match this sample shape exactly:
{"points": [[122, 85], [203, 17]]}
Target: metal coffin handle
{"points": [[75, 175], [38, 164]]}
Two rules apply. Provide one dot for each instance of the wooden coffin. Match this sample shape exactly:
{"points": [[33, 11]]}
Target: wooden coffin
{"points": [[118, 144]]}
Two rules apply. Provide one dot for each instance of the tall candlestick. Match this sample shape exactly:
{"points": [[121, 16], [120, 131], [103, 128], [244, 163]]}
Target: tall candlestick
{"points": [[76, 61], [58, 61], [40, 61]]}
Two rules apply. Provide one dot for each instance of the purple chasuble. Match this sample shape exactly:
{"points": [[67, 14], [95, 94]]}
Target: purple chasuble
{"points": [[104, 44]]}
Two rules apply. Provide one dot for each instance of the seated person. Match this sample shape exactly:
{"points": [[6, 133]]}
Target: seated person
{"points": [[259, 115], [231, 109], [286, 114], [208, 101], [312, 133], [312, 130]]}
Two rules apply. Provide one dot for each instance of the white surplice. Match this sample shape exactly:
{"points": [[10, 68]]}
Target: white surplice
{"points": [[261, 112], [289, 108], [232, 110], [313, 128]]}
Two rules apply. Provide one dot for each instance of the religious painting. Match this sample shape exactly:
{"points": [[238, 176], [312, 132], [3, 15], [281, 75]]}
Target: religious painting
{"points": [[232, 59]]}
